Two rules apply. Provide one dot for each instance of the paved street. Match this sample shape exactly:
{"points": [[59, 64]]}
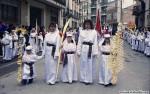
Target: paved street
{"points": [[134, 76], [7, 67]]}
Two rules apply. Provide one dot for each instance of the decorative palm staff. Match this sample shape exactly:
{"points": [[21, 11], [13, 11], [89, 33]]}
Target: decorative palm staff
{"points": [[19, 62], [36, 37], [59, 59], [116, 58]]}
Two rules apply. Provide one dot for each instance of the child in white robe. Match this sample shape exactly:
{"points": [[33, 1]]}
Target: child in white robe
{"points": [[69, 73], [105, 74], [29, 59]]}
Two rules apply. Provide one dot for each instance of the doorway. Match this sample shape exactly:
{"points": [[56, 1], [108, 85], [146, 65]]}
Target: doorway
{"points": [[35, 13]]}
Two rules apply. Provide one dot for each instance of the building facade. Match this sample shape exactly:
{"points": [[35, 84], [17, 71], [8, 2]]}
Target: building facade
{"points": [[116, 13], [94, 7], [111, 18], [26, 12], [85, 10], [72, 10], [103, 4], [10, 11], [141, 11], [88, 10], [147, 14], [128, 18]]}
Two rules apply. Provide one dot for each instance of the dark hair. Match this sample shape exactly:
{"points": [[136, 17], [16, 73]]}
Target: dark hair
{"points": [[88, 21], [52, 25]]}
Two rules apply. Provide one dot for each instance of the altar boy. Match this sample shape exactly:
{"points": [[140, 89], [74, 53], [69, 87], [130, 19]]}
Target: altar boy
{"points": [[29, 59]]}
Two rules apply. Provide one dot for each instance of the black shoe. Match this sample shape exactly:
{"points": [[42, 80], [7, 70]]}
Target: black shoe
{"points": [[110, 84], [70, 82], [86, 83], [50, 84], [30, 81], [24, 82]]}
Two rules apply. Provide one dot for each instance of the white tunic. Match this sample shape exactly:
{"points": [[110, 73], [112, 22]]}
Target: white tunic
{"points": [[21, 42], [7, 47], [147, 47], [136, 43], [50, 61], [11, 46], [15, 44], [33, 41], [69, 72], [27, 59], [40, 43], [133, 41], [141, 43], [104, 72], [86, 64]]}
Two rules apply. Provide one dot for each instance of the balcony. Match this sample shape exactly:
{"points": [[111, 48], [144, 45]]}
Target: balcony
{"points": [[63, 2], [76, 15], [93, 5], [93, 11], [103, 12], [70, 13]]}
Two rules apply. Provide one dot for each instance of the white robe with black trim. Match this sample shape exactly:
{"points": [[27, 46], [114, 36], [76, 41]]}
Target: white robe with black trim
{"points": [[86, 64], [105, 74], [50, 61], [7, 47], [32, 58], [69, 72]]}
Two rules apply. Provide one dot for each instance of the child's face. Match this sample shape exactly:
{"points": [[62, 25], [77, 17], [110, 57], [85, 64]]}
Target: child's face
{"points": [[69, 38]]}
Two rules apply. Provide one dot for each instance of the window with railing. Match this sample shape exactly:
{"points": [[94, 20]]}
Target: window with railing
{"points": [[109, 16], [93, 11], [93, 18], [114, 15], [104, 10], [93, 3], [54, 15], [9, 13], [103, 2], [63, 2], [111, 0]]}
